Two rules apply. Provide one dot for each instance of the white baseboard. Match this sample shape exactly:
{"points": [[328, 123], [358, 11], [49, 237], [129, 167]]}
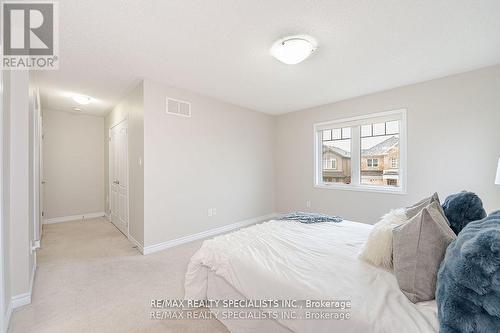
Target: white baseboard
{"points": [[8, 315], [20, 300], [24, 299], [73, 218], [204, 234], [136, 243]]}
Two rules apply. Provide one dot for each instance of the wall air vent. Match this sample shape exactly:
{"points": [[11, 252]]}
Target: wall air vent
{"points": [[178, 107]]}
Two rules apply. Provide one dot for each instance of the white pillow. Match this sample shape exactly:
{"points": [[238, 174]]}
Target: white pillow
{"points": [[377, 249]]}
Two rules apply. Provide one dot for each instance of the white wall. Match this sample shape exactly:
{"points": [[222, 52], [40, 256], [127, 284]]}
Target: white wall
{"points": [[221, 157], [453, 144], [131, 108], [73, 157], [21, 259], [5, 277]]}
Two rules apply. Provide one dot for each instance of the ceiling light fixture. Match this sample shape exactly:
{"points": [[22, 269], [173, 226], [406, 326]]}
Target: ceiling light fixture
{"points": [[77, 109], [293, 49], [82, 99]]}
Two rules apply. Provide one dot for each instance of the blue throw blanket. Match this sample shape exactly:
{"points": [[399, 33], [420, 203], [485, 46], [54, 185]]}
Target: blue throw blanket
{"points": [[311, 217], [468, 286]]}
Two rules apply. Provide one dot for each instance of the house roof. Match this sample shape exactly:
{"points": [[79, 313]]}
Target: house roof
{"points": [[337, 150], [379, 149]]}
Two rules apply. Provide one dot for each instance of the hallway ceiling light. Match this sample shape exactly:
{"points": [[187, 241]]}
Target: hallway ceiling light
{"points": [[82, 99], [293, 49]]}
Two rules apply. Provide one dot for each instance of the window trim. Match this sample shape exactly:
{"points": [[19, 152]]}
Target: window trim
{"points": [[399, 114]]}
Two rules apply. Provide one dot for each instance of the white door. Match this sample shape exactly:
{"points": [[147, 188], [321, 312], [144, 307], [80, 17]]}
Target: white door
{"points": [[118, 176]]}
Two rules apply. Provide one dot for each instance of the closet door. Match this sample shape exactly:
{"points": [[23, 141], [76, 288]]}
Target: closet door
{"points": [[118, 176]]}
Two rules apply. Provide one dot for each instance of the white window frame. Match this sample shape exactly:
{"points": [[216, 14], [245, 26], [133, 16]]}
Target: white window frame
{"points": [[355, 123]]}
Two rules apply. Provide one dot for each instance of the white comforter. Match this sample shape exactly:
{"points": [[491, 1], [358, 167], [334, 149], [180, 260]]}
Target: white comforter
{"points": [[291, 260]]}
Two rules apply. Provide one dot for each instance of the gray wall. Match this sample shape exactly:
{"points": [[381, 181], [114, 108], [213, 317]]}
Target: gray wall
{"points": [[221, 157], [73, 159], [131, 108], [453, 144]]}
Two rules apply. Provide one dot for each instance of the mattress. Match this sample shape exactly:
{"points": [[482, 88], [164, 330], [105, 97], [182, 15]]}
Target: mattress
{"points": [[286, 260], [220, 289]]}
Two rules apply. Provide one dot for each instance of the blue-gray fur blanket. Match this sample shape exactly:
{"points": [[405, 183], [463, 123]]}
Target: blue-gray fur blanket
{"points": [[311, 217], [468, 286]]}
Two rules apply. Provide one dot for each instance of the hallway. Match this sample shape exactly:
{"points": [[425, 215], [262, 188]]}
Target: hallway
{"points": [[90, 278]]}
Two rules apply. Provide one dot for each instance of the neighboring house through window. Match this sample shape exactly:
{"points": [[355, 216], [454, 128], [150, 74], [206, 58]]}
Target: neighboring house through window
{"points": [[362, 153]]}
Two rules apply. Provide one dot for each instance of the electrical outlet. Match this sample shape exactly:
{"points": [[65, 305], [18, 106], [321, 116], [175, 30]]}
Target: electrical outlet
{"points": [[308, 204]]}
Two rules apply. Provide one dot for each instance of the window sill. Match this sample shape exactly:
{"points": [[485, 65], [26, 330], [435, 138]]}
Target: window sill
{"points": [[362, 188]]}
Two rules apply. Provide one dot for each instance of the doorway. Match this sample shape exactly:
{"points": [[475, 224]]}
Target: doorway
{"points": [[118, 176]]}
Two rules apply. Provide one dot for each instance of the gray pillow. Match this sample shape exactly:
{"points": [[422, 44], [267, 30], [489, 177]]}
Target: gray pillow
{"points": [[419, 247], [417, 208]]}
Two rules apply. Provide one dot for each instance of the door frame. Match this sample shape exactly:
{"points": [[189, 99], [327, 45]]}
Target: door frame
{"points": [[36, 115], [124, 120], [4, 316]]}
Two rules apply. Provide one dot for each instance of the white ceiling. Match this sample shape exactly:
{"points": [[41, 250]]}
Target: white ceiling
{"points": [[220, 48]]}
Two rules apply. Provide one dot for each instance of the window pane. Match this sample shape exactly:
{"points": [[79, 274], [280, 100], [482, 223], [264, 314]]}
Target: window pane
{"points": [[337, 161], [392, 127], [336, 134], [380, 156], [327, 135], [346, 133], [379, 129], [366, 130]]}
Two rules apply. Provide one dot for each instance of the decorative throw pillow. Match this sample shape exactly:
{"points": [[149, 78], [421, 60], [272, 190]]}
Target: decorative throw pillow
{"points": [[417, 208], [462, 208], [377, 249], [418, 249]]}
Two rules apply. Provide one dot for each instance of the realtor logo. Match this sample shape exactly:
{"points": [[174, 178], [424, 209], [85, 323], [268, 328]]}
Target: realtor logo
{"points": [[29, 35]]}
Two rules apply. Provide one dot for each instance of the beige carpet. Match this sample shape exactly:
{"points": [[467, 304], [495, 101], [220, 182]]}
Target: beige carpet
{"points": [[91, 279]]}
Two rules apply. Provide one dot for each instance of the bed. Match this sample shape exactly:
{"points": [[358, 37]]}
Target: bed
{"points": [[288, 260]]}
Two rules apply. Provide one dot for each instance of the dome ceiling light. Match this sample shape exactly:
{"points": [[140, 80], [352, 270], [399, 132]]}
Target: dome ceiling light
{"points": [[293, 49]]}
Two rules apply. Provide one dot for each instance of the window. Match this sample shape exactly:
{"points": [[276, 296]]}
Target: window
{"points": [[334, 164], [362, 153], [372, 162], [394, 162], [329, 163]]}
